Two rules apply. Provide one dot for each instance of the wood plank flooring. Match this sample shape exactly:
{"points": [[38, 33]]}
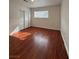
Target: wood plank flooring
{"points": [[41, 44]]}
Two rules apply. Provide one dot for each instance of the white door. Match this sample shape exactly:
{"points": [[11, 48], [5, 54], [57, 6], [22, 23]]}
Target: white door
{"points": [[24, 19], [21, 19]]}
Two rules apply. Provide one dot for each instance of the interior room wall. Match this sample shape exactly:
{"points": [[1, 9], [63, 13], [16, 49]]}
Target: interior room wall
{"points": [[53, 20], [14, 8], [65, 22]]}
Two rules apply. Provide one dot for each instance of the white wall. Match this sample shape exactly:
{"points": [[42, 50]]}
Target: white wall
{"points": [[14, 8], [53, 20], [65, 22]]}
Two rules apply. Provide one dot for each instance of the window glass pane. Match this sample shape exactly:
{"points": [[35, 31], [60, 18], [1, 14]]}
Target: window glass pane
{"points": [[41, 14]]}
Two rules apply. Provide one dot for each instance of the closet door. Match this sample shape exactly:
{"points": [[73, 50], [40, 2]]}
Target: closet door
{"points": [[26, 19], [21, 19]]}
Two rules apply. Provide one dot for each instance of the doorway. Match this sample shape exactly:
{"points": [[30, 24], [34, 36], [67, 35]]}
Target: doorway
{"points": [[23, 20]]}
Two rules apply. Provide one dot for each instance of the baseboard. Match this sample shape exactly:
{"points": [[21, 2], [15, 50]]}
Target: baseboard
{"points": [[65, 44], [46, 28], [15, 30]]}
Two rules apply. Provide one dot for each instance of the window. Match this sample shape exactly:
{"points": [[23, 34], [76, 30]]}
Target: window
{"points": [[41, 14]]}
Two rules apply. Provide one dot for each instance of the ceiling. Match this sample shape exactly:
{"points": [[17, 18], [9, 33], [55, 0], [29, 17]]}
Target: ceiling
{"points": [[42, 3], [38, 3]]}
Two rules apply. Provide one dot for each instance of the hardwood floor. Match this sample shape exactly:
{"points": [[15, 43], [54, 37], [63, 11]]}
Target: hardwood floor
{"points": [[40, 44]]}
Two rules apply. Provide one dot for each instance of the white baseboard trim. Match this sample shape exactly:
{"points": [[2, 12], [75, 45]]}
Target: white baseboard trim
{"points": [[15, 30], [65, 44], [46, 27]]}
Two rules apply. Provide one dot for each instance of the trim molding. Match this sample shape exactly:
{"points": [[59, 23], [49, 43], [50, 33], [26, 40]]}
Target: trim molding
{"points": [[15, 30], [65, 43]]}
